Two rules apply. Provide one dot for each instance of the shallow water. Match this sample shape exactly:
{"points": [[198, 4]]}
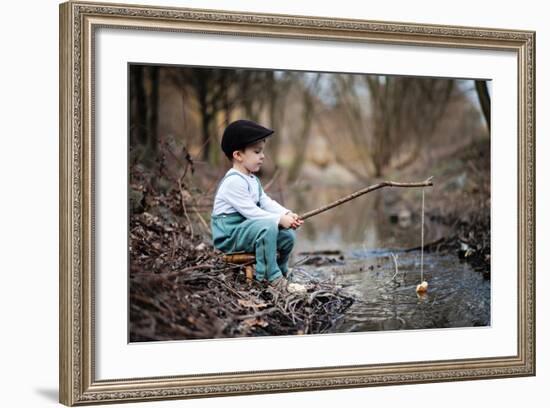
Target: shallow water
{"points": [[457, 295]]}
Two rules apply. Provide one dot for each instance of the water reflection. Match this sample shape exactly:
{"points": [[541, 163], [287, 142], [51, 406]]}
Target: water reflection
{"points": [[367, 221]]}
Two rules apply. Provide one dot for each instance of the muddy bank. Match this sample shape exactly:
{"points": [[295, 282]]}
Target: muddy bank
{"points": [[466, 206], [180, 288], [458, 206], [471, 242]]}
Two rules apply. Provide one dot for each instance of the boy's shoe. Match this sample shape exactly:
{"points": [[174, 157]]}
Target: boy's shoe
{"points": [[280, 284], [296, 288]]}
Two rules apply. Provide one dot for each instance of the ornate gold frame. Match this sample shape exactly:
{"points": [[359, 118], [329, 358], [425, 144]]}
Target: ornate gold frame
{"points": [[77, 24]]}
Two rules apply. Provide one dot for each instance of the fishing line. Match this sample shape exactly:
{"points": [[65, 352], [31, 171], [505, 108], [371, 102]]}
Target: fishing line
{"points": [[422, 242]]}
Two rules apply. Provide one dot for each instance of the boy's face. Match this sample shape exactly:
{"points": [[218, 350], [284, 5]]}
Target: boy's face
{"points": [[252, 157]]}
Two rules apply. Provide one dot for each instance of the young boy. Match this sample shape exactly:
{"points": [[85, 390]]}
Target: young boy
{"points": [[244, 217]]}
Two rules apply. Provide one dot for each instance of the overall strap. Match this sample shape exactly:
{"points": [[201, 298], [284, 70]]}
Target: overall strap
{"points": [[244, 178], [226, 176], [260, 189]]}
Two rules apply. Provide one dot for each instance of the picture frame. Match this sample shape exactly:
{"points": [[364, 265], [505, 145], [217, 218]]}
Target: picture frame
{"points": [[79, 383]]}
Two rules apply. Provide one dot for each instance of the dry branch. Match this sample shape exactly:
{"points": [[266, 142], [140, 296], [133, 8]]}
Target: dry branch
{"points": [[426, 183]]}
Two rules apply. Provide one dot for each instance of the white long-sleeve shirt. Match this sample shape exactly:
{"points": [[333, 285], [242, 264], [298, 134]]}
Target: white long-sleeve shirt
{"points": [[239, 193]]}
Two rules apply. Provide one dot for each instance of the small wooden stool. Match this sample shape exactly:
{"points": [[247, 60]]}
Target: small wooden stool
{"points": [[240, 258]]}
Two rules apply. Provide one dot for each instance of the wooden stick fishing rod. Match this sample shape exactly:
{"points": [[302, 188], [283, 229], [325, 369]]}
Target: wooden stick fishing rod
{"points": [[426, 183]]}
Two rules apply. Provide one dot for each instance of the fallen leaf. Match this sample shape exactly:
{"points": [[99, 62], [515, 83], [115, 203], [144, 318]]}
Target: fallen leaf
{"points": [[251, 303], [255, 321]]}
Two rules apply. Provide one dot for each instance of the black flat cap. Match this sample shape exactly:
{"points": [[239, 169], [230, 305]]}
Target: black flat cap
{"points": [[241, 133]]}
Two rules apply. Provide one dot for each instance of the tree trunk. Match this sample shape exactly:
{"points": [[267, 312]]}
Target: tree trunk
{"points": [[484, 100], [153, 111], [202, 96], [137, 89], [307, 118]]}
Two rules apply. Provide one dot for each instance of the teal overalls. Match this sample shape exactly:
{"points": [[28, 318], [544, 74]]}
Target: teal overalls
{"points": [[235, 233]]}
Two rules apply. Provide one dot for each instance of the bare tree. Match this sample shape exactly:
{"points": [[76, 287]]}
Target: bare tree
{"points": [[425, 103], [144, 105], [309, 92], [278, 84], [384, 116], [212, 91]]}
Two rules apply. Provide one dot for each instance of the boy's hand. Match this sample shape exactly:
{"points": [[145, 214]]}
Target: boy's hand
{"points": [[286, 221], [297, 221]]}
